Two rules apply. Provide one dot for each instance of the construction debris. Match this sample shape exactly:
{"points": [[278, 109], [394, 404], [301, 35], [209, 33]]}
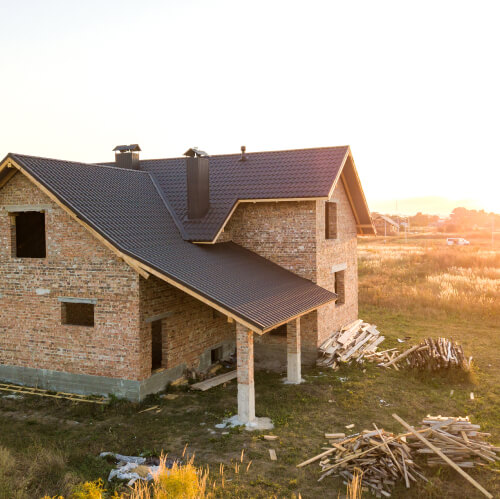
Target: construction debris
{"points": [[431, 354], [453, 449], [28, 390], [384, 458], [458, 439], [352, 342], [217, 380]]}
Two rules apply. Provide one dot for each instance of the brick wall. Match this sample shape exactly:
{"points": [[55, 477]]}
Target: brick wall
{"points": [[77, 265], [190, 328], [282, 232], [333, 254]]}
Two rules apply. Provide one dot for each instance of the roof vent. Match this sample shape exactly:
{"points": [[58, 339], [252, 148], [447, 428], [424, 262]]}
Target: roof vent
{"points": [[243, 155], [127, 156], [198, 188]]}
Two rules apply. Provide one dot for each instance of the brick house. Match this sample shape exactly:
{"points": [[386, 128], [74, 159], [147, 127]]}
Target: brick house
{"points": [[117, 277]]}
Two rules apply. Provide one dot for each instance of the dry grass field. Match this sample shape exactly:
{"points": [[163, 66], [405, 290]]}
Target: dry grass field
{"points": [[414, 289]]}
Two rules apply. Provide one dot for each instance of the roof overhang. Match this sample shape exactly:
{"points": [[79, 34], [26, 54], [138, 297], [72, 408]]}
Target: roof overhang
{"points": [[9, 167]]}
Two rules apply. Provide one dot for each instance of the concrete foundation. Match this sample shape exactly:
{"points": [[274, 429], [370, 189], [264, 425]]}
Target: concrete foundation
{"points": [[293, 373], [246, 402], [85, 384]]}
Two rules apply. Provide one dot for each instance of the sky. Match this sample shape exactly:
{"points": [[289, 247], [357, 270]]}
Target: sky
{"points": [[412, 87]]}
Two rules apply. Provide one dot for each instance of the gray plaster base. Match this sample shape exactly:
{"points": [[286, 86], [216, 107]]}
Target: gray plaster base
{"points": [[85, 384]]}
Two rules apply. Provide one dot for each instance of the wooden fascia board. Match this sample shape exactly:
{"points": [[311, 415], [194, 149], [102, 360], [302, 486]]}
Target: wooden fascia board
{"points": [[351, 202], [140, 267], [360, 187], [339, 173]]}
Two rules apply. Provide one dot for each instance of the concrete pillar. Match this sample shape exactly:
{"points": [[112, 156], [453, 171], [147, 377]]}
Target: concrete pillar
{"points": [[246, 387], [294, 374]]}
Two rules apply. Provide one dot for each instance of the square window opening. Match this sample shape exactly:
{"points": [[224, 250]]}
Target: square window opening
{"points": [[28, 238], [78, 314], [340, 287], [216, 354]]}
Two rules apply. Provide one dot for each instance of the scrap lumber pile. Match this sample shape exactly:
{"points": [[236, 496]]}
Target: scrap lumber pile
{"points": [[384, 458], [352, 342], [431, 354], [458, 439]]}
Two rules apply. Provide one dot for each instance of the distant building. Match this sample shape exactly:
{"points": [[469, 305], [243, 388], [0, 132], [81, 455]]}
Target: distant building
{"points": [[384, 225]]}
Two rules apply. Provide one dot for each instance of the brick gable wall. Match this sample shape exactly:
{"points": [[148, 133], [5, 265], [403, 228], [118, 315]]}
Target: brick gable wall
{"points": [[77, 265]]}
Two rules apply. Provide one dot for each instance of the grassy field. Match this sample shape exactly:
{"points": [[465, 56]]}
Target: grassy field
{"points": [[415, 289]]}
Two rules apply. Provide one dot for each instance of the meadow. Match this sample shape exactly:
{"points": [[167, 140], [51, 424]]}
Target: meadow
{"points": [[410, 289]]}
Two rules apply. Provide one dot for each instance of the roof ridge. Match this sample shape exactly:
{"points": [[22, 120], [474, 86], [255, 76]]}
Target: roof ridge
{"points": [[99, 165], [254, 153]]}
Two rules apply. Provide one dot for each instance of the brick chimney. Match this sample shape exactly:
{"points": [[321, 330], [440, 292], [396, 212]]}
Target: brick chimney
{"points": [[127, 156]]}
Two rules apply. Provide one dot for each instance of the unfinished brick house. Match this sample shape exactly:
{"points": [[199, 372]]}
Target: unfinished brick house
{"points": [[117, 277]]}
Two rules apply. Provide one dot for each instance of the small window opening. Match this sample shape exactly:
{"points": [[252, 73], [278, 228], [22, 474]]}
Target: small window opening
{"points": [[216, 354], [340, 287], [29, 235], [330, 220], [156, 345], [279, 331], [78, 314]]}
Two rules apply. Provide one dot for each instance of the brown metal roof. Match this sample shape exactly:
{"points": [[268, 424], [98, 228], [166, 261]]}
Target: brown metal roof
{"points": [[299, 173], [126, 208]]}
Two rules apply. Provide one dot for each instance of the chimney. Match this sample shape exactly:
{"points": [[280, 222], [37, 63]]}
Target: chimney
{"points": [[198, 189], [127, 156]]}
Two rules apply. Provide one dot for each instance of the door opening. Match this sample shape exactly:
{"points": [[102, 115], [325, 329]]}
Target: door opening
{"points": [[156, 345]]}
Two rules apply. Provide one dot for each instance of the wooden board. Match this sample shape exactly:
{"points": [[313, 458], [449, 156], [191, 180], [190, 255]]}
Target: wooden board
{"points": [[218, 380]]}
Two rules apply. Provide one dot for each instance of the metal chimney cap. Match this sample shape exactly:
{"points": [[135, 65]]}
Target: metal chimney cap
{"points": [[194, 152], [129, 148]]}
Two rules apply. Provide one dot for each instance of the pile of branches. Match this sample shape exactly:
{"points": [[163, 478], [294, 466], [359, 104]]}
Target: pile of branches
{"points": [[431, 354]]}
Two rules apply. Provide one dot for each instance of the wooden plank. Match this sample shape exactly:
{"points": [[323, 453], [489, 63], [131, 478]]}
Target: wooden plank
{"points": [[217, 380], [272, 455], [402, 356], [444, 457]]}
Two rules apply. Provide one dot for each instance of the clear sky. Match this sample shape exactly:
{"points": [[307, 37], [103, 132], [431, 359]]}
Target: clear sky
{"points": [[413, 87]]}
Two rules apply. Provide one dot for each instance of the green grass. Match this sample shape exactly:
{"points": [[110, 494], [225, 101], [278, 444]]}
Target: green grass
{"points": [[47, 445]]}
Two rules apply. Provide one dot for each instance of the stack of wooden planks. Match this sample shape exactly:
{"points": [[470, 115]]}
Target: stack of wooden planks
{"points": [[384, 458], [459, 439], [432, 354], [352, 342]]}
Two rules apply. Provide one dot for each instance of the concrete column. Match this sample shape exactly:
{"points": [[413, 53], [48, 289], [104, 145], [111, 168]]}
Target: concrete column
{"points": [[246, 387], [294, 374]]}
